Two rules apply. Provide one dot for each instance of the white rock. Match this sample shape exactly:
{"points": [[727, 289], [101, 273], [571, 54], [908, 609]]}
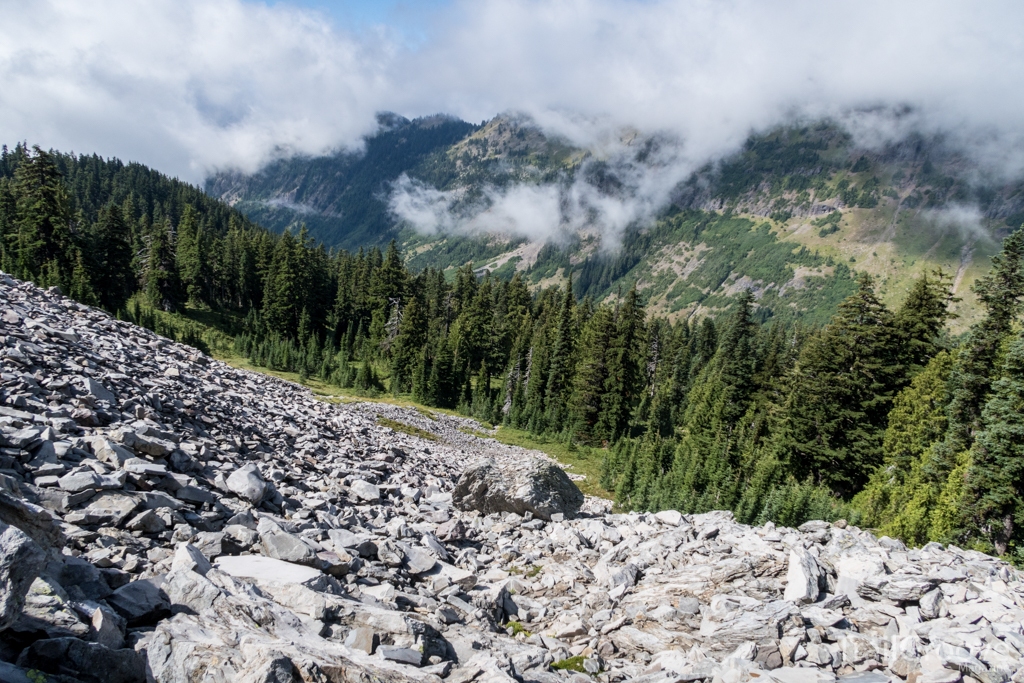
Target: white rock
{"points": [[268, 569], [802, 577], [364, 490], [669, 517]]}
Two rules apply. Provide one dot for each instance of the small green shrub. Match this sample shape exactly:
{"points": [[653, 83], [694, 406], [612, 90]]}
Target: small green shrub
{"points": [[571, 664], [516, 627]]}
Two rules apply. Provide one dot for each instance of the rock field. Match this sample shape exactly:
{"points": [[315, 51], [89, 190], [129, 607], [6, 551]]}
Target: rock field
{"points": [[166, 517]]}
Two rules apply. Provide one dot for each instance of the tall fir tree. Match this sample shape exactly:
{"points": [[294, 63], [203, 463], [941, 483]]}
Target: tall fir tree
{"points": [[41, 243], [624, 382], [111, 255], [584, 405], [704, 472], [840, 394], [282, 290], [560, 366], [995, 476], [163, 288], [191, 258], [412, 336]]}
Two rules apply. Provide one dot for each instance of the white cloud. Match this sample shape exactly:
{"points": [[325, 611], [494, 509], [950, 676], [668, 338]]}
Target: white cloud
{"points": [[967, 219], [608, 194], [186, 86], [189, 86]]}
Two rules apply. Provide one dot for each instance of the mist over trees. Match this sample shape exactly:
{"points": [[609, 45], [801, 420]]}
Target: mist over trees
{"points": [[879, 416]]}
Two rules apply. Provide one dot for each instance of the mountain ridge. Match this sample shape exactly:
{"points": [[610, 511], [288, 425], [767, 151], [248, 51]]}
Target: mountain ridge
{"points": [[893, 211]]}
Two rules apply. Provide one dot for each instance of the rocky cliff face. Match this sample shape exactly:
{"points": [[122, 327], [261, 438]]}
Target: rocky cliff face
{"points": [[166, 517]]}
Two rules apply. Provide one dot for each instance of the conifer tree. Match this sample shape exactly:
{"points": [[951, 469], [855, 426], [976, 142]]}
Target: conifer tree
{"points": [[840, 394], [281, 292], [625, 379], [584, 406], [704, 471], [8, 216], [703, 345], [412, 335], [559, 368], [80, 286], [41, 243], [899, 498], [1001, 292], [111, 256], [421, 378], [443, 385], [163, 288], [190, 257], [922, 319], [995, 476]]}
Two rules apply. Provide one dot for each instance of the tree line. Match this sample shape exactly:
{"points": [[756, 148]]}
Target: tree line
{"points": [[878, 416]]}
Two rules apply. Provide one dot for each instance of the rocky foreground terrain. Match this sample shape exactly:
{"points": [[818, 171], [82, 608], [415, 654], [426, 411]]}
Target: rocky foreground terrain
{"points": [[166, 517]]}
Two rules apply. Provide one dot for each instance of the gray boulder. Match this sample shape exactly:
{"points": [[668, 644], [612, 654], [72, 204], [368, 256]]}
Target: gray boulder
{"points": [[284, 546], [140, 602], [247, 483], [48, 609], [365, 491], [536, 486], [98, 391], [33, 520], [88, 662], [21, 560]]}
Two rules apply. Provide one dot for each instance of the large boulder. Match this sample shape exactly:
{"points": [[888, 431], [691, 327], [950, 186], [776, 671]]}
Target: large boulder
{"points": [[280, 545], [536, 486], [21, 560], [87, 662]]}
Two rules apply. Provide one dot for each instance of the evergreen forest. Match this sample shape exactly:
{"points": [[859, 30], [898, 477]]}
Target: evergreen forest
{"points": [[879, 415]]}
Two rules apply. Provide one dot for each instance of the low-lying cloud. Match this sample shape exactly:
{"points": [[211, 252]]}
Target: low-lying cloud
{"points": [[966, 219], [628, 184], [195, 86]]}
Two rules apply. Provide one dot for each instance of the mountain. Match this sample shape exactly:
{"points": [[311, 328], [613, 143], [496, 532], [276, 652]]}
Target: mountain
{"points": [[792, 215], [340, 198], [167, 518]]}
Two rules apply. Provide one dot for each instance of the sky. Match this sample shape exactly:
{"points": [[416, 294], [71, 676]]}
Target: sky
{"points": [[192, 87]]}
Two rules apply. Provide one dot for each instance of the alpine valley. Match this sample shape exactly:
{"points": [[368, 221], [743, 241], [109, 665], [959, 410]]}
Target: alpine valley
{"points": [[477, 404]]}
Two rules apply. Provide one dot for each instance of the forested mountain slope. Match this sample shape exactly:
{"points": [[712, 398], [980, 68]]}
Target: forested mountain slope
{"points": [[880, 415], [786, 216], [340, 198]]}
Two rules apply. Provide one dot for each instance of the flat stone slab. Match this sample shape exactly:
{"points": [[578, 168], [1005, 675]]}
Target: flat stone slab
{"points": [[259, 568], [405, 655]]}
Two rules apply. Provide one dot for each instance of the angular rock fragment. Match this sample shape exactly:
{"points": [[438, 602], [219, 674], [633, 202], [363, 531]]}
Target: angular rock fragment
{"points": [[365, 491], [284, 546], [48, 609], [247, 483], [141, 603], [21, 560], [802, 577]]}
